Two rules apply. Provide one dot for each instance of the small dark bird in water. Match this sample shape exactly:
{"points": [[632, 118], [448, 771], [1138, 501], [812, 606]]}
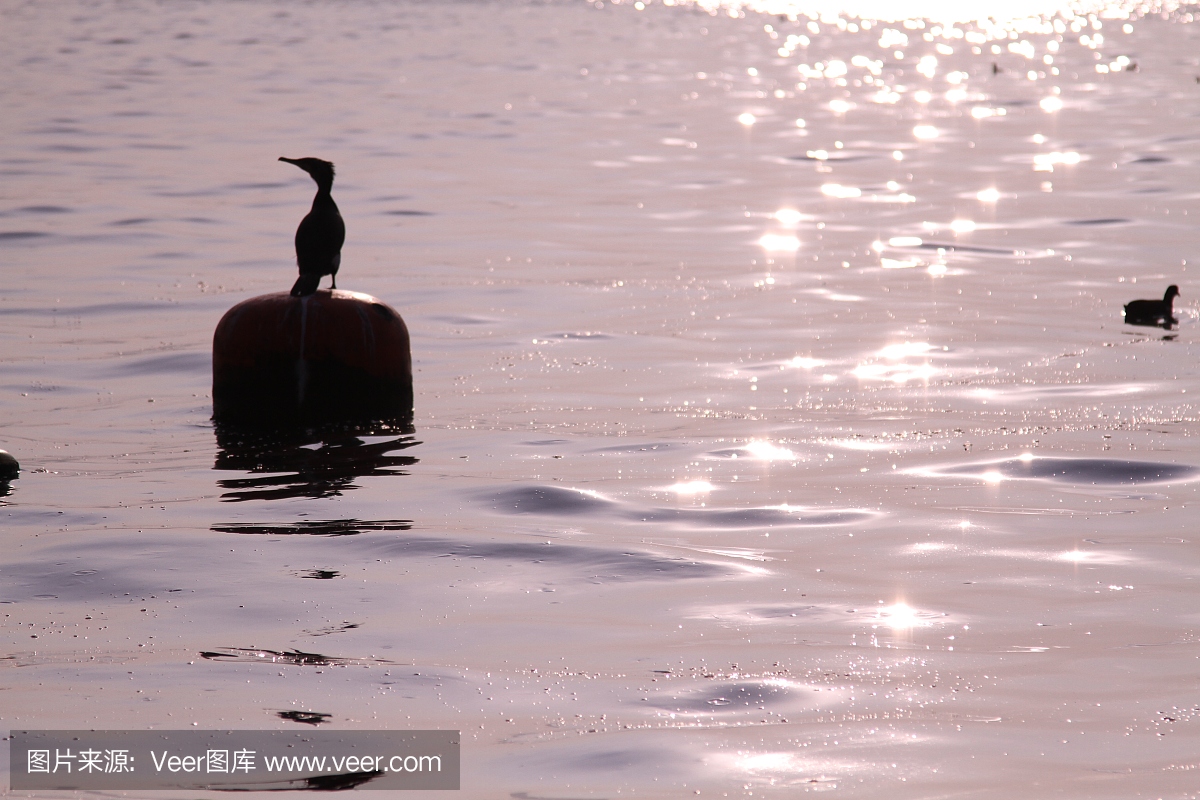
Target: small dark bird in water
{"points": [[321, 233], [9, 468], [1153, 312]]}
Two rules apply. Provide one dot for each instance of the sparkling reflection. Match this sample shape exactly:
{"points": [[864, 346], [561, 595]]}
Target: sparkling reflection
{"points": [[983, 112], [839, 191], [902, 617], [779, 243], [765, 451], [691, 487], [905, 350], [788, 216], [1051, 104], [1046, 162], [896, 372]]}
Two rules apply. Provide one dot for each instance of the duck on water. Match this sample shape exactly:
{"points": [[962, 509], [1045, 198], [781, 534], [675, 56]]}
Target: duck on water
{"points": [[321, 233], [1153, 312]]}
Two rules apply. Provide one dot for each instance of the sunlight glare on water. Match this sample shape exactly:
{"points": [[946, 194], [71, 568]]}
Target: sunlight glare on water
{"points": [[765, 451]]}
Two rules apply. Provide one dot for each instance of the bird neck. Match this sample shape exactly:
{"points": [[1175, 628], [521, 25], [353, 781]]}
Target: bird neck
{"points": [[324, 197]]}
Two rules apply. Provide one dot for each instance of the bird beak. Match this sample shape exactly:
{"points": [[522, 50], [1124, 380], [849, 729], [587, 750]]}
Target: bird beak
{"points": [[289, 160]]}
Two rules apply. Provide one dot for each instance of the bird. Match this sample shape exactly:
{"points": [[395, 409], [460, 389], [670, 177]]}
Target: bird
{"points": [[321, 233], [9, 468], [1153, 312]]}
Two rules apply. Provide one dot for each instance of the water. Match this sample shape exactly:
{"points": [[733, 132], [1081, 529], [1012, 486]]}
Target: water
{"points": [[750, 457]]}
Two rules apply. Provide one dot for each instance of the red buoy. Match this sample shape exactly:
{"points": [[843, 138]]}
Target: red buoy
{"points": [[328, 357]]}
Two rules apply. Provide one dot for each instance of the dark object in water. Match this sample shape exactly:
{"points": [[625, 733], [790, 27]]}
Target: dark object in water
{"points": [[307, 717], [338, 783], [325, 461], [333, 527], [321, 233], [297, 658], [1157, 313], [281, 361], [10, 470]]}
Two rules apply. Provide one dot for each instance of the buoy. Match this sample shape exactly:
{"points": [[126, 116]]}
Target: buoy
{"points": [[329, 357], [10, 470]]}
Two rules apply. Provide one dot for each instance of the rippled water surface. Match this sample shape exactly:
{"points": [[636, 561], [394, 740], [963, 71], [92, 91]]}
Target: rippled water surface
{"points": [[777, 429]]}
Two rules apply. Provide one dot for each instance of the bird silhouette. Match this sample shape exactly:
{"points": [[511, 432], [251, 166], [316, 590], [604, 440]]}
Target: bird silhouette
{"points": [[1153, 312], [321, 233]]}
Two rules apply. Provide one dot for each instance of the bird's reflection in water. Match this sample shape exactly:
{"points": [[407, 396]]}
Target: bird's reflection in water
{"points": [[309, 463]]}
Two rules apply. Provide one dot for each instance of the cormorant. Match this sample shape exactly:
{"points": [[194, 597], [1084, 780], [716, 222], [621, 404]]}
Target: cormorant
{"points": [[321, 233], [1153, 312]]}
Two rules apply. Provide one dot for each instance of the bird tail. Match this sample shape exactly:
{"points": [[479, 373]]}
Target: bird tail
{"points": [[306, 284]]}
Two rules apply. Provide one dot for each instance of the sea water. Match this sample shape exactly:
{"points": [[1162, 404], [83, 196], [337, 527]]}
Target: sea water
{"points": [[776, 430]]}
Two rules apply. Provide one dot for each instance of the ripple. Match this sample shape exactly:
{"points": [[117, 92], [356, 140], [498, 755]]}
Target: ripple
{"points": [[637, 448], [1058, 391], [44, 210], [950, 247], [556, 501], [253, 655], [1103, 221], [579, 335], [461, 319], [550, 500], [1092, 471], [597, 564], [133, 307], [174, 362], [771, 614], [740, 696], [821, 155], [1042, 512], [898, 616], [752, 517]]}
